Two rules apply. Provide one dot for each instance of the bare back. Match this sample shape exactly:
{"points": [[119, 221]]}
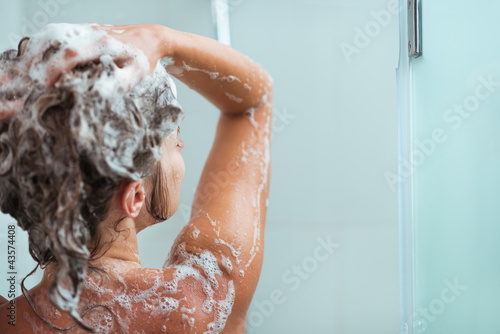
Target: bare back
{"points": [[135, 300]]}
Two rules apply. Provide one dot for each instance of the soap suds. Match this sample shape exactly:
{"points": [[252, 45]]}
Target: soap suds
{"points": [[227, 264], [158, 297], [264, 163], [222, 311], [250, 112], [244, 157], [187, 310], [195, 233], [213, 75], [235, 252], [234, 98], [230, 78], [213, 222]]}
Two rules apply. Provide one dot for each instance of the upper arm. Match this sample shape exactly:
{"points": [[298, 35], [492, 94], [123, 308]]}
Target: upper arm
{"points": [[230, 203]]}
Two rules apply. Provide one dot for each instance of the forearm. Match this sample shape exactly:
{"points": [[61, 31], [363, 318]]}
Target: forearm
{"points": [[228, 79]]}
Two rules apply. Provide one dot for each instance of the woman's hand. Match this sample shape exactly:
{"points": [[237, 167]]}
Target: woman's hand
{"points": [[65, 60], [149, 38], [46, 58]]}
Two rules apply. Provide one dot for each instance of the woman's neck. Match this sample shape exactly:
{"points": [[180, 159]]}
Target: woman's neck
{"points": [[123, 250], [123, 243]]}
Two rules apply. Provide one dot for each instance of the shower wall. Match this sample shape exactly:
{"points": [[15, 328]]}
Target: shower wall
{"points": [[331, 255]]}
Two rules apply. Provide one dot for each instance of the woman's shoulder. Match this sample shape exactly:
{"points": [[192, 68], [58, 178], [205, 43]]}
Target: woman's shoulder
{"points": [[127, 299], [5, 308], [13, 315], [3, 300], [174, 299], [181, 298]]}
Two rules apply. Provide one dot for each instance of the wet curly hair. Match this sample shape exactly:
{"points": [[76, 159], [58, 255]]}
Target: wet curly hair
{"points": [[66, 154]]}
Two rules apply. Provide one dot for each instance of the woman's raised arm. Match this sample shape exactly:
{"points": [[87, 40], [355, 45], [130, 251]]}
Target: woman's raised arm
{"points": [[225, 234], [228, 79]]}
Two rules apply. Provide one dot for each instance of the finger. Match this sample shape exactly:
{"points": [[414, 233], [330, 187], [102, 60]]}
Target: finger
{"points": [[106, 27], [113, 27], [9, 109], [55, 70], [102, 26], [67, 59]]}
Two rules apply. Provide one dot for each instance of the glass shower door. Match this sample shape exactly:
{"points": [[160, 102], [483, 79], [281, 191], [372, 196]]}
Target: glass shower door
{"points": [[450, 171]]}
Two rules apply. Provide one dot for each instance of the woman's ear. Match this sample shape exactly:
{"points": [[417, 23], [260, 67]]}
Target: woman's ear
{"points": [[133, 198]]}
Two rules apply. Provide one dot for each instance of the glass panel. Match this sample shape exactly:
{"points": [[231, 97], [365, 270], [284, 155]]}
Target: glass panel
{"points": [[455, 87]]}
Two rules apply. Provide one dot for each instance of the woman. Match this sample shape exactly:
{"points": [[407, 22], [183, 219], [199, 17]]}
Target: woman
{"points": [[86, 234]]}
